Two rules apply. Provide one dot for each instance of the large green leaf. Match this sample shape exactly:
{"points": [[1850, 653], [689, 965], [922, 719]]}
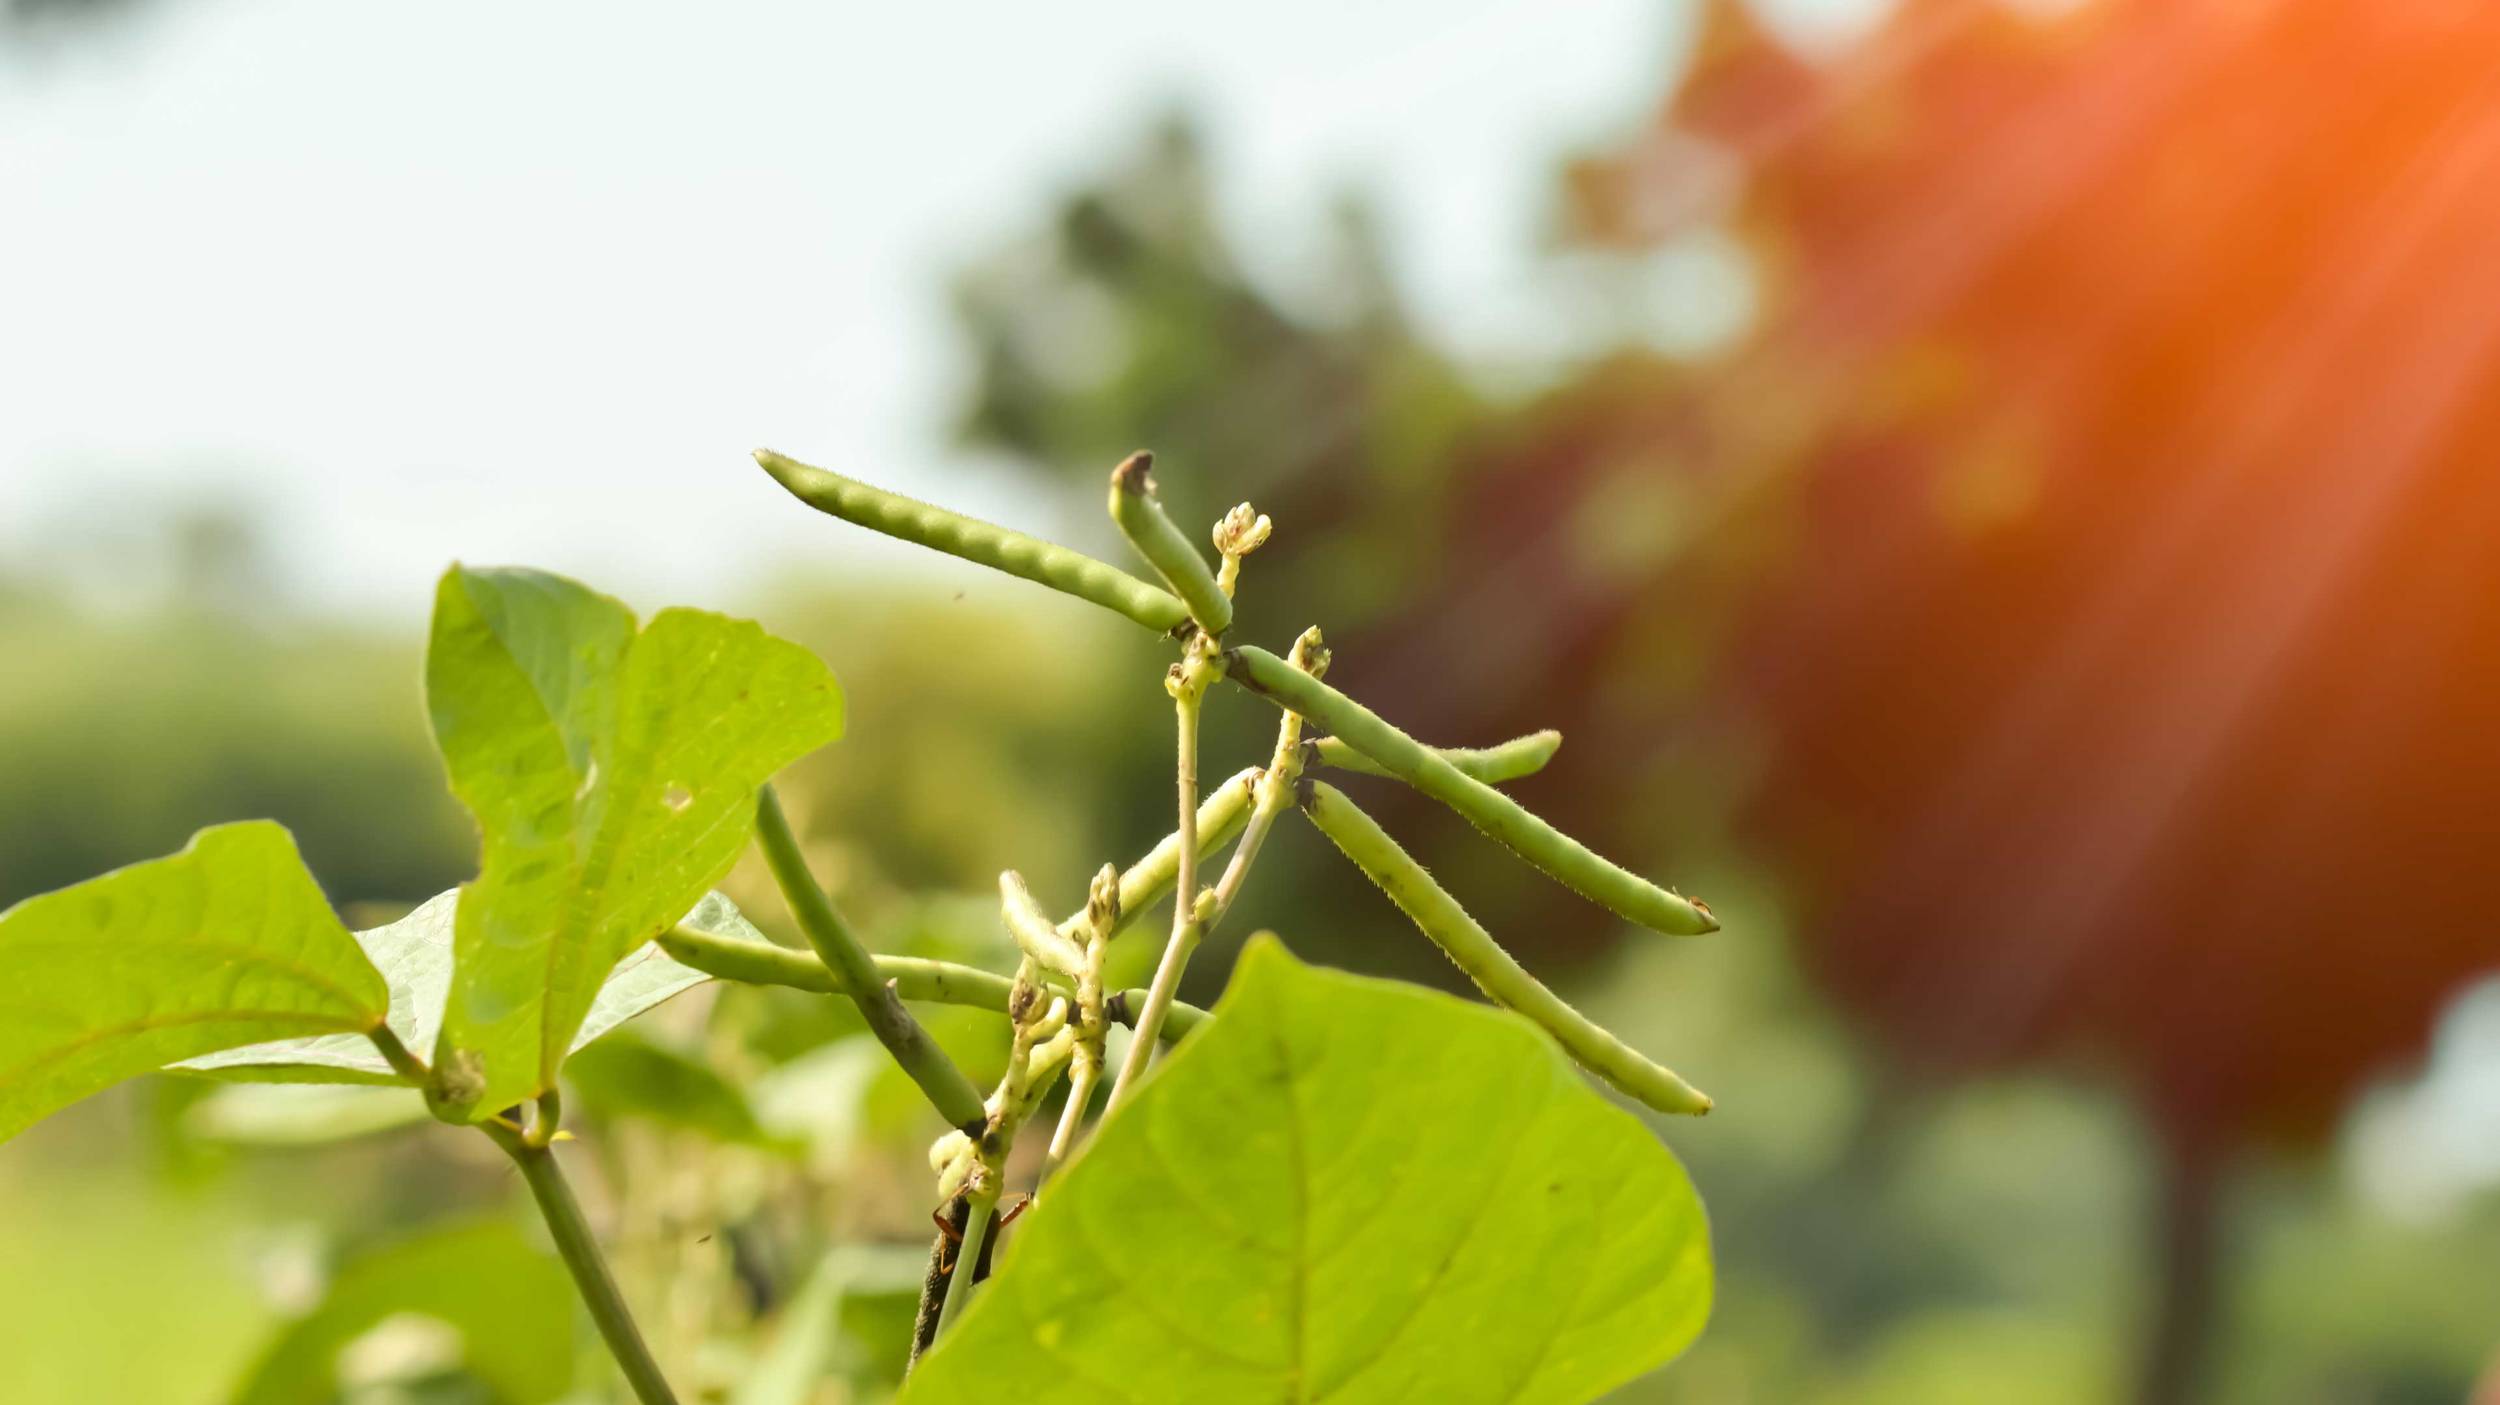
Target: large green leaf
{"points": [[1344, 1190], [414, 956], [612, 773], [505, 1312], [226, 943]]}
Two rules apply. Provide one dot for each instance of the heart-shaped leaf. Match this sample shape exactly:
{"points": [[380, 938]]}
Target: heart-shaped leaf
{"points": [[414, 956], [228, 942], [1347, 1190], [612, 773]]}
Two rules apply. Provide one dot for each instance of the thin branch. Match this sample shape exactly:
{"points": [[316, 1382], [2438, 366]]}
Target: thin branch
{"points": [[1188, 685], [948, 1090], [580, 1251], [910, 977], [395, 1053], [982, 1218]]}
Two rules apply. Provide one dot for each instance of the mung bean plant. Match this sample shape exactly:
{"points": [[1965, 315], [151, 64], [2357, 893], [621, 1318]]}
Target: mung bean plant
{"points": [[1326, 1187]]}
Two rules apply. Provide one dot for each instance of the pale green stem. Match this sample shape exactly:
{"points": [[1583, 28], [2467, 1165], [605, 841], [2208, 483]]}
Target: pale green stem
{"points": [[974, 540], [1083, 1073], [968, 1257], [1466, 943], [396, 1054], [1190, 688], [1142, 520], [911, 977], [1566, 859], [1520, 756], [1102, 914], [1274, 793], [948, 1090], [580, 1250]]}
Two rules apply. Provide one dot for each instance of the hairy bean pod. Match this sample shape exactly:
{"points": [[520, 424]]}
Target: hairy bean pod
{"points": [[1571, 863], [1466, 943], [998, 548], [1520, 756], [948, 1090], [1142, 520], [1220, 816]]}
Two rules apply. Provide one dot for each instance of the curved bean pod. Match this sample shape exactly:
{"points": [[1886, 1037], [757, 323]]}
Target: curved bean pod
{"points": [[1520, 756], [1141, 519], [1570, 862], [996, 547], [1466, 943]]}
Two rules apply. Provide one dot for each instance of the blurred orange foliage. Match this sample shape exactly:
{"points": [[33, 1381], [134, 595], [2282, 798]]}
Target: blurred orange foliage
{"points": [[2125, 410]]}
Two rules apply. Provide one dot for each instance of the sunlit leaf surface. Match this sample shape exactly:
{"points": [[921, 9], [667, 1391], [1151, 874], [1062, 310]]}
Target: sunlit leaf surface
{"points": [[226, 943], [1344, 1190], [612, 773]]}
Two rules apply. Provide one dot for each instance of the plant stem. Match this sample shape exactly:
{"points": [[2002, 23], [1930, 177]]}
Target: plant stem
{"points": [[1083, 1074], [1220, 817], [910, 977], [1188, 689], [968, 1258], [580, 1250], [948, 1090], [1565, 859], [984, 543], [1474, 951], [942, 1261], [395, 1053]]}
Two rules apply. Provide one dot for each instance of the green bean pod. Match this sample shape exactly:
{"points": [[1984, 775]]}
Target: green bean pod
{"points": [[1520, 756], [1142, 520], [1571, 863], [996, 547], [910, 977], [948, 1090], [1036, 936], [1466, 943]]}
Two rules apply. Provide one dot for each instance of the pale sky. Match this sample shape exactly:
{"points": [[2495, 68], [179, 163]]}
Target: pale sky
{"points": [[525, 282]]}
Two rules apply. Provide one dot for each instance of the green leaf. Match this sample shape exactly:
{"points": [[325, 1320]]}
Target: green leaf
{"points": [[612, 774], [292, 1114], [505, 1309], [226, 943], [631, 1078], [1347, 1190], [414, 956]]}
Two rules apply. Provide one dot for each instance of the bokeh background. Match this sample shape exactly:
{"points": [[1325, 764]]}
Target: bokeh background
{"points": [[2002, 498]]}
